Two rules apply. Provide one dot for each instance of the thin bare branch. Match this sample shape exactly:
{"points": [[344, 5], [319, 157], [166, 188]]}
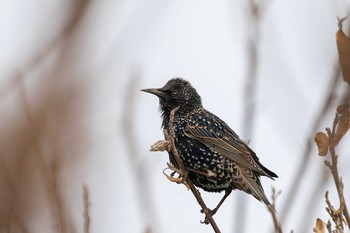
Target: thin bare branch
{"points": [[272, 210], [341, 124], [169, 136], [333, 165], [336, 215], [86, 210]]}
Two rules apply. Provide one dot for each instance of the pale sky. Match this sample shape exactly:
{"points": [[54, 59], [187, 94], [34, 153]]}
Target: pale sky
{"points": [[205, 42]]}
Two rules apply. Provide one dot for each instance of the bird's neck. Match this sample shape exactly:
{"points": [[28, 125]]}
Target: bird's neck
{"points": [[166, 117], [181, 113]]}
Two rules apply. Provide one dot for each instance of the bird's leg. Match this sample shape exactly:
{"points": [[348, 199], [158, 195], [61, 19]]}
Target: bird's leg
{"points": [[174, 169], [227, 193], [213, 211], [171, 177]]}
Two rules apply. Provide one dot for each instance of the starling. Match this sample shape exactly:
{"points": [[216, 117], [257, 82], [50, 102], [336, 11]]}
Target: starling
{"points": [[207, 145]]}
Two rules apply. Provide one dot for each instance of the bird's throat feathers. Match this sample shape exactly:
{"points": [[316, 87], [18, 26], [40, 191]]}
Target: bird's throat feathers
{"points": [[181, 113]]}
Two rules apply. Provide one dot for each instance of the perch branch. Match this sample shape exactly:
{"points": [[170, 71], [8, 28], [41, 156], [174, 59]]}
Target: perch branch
{"points": [[169, 145]]}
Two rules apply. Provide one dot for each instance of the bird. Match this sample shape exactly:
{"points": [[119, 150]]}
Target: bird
{"points": [[214, 156]]}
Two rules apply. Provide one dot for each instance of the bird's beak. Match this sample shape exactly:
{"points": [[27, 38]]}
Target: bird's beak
{"points": [[155, 91]]}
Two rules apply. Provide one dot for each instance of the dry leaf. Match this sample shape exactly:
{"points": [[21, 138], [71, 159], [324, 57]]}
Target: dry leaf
{"points": [[321, 140], [161, 145], [320, 226], [343, 112], [343, 45]]}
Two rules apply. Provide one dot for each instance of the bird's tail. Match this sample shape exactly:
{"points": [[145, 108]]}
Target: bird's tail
{"points": [[249, 182], [262, 169], [267, 172]]}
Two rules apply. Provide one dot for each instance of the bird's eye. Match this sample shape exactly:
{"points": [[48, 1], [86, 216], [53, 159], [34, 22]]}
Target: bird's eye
{"points": [[174, 93]]}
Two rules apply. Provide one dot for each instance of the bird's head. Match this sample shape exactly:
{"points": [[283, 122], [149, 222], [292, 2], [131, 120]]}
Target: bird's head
{"points": [[177, 92]]}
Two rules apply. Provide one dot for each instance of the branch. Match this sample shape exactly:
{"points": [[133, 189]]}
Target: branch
{"points": [[341, 125], [169, 145], [334, 139], [272, 210], [86, 212], [336, 215]]}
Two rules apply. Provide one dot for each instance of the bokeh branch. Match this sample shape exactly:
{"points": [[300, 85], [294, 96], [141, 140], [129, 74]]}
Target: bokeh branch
{"points": [[86, 210], [305, 161], [36, 139], [134, 155], [249, 105]]}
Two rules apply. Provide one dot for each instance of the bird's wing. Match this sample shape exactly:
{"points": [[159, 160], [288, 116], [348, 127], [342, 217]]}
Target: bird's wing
{"points": [[218, 136]]}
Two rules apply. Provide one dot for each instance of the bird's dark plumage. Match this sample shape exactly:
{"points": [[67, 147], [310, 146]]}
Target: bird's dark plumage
{"points": [[207, 144]]}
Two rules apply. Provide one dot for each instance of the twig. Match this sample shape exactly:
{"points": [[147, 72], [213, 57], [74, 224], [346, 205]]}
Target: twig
{"points": [[333, 166], [171, 137], [171, 148], [341, 124], [86, 212], [329, 226], [187, 179], [272, 210], [336, 215]]}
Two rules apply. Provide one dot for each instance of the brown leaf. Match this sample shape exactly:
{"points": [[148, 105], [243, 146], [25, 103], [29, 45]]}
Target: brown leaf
{"points": [[343, 45], [343, 112], [320, 226], [161, 145], [321, 140]]}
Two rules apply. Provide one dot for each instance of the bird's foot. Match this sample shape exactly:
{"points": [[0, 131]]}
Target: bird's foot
{"points": [[181, 179], [171, 177], [208, 212], [175, 170]]}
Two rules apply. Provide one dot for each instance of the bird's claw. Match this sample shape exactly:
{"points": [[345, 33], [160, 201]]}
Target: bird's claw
{"points": [[181, 179], [206, 221], [207, 212], [171, 178]]}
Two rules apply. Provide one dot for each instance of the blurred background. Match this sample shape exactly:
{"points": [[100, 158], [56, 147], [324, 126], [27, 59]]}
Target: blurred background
{"points": [[75, 130]]}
